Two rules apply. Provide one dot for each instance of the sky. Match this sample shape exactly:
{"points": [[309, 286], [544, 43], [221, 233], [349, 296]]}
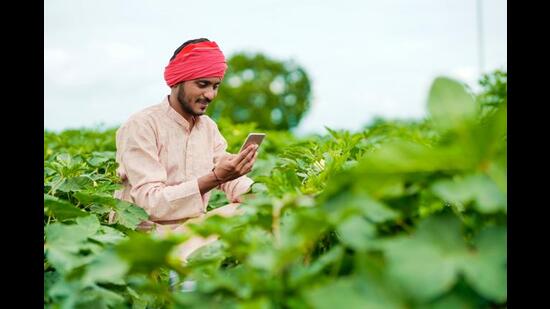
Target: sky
{"points": [[104, 60]]}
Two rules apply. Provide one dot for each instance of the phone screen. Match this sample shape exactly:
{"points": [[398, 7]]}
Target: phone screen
{"points": [[253, 138]]}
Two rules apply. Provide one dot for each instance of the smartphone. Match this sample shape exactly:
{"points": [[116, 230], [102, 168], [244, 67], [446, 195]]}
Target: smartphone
{"points": [[253, 138]]}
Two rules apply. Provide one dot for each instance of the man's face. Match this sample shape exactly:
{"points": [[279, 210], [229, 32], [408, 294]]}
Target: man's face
{"points": [[195, 95]]}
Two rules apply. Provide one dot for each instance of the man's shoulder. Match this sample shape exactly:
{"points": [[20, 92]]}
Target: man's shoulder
{"points": [[209, 122], [146, 115]]}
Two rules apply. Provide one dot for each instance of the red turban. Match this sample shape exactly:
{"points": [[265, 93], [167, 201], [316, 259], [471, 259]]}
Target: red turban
{"points": [[204, 59]]}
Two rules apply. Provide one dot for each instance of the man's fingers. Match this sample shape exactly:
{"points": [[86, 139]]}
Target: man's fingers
{"points": [[244, 153], [249, 157], [248, 166], [250, 163]]}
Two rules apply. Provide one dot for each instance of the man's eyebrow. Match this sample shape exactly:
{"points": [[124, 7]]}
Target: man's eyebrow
{"points": [[207, 81]]}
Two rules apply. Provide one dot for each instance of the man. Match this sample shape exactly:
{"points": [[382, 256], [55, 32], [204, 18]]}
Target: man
{"points": [[171, 155]]}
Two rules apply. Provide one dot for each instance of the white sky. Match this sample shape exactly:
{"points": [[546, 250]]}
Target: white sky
{"points": [[104, 60]]}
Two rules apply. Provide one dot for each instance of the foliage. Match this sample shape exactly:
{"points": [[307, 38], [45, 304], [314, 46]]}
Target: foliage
{"points": [[271, 93], [403, 214]]}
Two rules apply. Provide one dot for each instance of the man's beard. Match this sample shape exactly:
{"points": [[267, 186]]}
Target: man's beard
{"points": [[185, 105]]}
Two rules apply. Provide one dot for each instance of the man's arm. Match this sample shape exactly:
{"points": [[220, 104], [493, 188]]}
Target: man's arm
{"points": [[228, 169], [234, 188], [137, 153]]}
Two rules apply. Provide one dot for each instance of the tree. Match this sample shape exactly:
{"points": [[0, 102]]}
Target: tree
{"points": [[273, 94], [494, 92]]}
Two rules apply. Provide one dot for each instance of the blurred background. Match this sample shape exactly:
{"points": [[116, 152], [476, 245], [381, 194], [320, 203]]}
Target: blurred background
{"points": [[292, 65]]}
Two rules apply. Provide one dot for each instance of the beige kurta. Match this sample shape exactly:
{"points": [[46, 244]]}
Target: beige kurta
{"points": [[160, 160]]}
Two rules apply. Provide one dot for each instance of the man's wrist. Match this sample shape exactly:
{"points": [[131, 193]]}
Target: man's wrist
{"points": [[218, 179]]}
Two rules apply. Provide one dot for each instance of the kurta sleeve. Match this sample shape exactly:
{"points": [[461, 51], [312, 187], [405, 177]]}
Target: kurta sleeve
{"points": [[138, 155]]}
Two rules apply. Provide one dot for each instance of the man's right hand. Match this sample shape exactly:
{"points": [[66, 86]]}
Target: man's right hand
{"points": [[234, 166]]}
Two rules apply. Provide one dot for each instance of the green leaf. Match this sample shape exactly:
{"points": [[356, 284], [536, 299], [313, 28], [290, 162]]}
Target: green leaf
{"points": [[65, 293], [427, 263], [64, 242], [129, 215], [358, 203], [402, 156], [209, 254], [87, 198], [486, 269], [108, 235], [61, 209], [479, 188], [144, 252], [89, 224], [65, 159], [452, 301], [265, 259], [99, 297], [347, 293], [101, 203], [449, 104], [301, 274], [357, 232], [68, 234], [75, 184], [100, 158], [105, 267], [50, 278], [376, 211], [64, 260], [259, 303]]}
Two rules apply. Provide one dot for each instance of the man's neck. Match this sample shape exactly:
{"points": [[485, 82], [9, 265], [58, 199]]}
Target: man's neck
{"points": [[172, 100]]}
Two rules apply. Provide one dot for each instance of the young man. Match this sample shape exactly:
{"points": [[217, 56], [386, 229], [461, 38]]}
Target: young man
{"points": [[171, 155]]}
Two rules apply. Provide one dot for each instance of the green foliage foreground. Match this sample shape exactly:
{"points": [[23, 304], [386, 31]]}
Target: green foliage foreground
{"points": [[399, 215]]}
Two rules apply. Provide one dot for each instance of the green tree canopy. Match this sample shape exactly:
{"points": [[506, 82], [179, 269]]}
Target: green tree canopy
{"points": [[274, 94]]}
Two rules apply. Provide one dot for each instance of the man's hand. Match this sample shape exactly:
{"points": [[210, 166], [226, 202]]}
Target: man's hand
{"points": [[234, 166], [242, 198]]}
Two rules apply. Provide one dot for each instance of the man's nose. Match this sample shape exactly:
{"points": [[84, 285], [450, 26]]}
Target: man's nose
{"points": [[210, 94]]}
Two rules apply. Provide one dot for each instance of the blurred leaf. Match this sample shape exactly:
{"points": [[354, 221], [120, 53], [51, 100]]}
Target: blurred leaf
{"points": [[452, 301], [357, 232], [354, 203], [345, 293], [61, 209], [145, 253], [302, 274], [479, 188], [105, 267], [449, 103], [108, 235], [99, 297], [427, 263], [407, 157], [486, 269], [50, 277], [212, 254], [64, 242], [265, 259], [259, 303]]}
